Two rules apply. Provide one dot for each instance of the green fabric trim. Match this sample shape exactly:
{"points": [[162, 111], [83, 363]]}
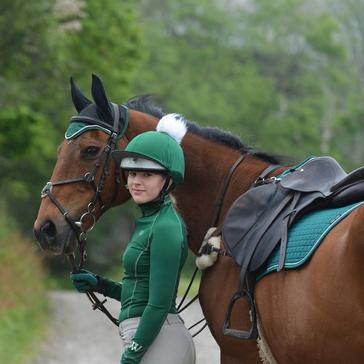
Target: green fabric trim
{"points": [[76, 128], [292, 169]]}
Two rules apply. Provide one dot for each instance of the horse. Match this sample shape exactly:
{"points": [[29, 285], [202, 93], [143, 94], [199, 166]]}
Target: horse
{"points": [[314, 314]]}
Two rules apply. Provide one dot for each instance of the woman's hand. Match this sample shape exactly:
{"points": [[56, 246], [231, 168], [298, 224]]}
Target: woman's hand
{"points": [[85, 281]]}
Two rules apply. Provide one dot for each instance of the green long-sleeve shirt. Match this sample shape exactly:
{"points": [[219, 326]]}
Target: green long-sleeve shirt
{"points": [[153, 261]]}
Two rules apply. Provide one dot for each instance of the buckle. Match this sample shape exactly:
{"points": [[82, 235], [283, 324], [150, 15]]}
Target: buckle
{"points": [[264, 181], [47, 188]]}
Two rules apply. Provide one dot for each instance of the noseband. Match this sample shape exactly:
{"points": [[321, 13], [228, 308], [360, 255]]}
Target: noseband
{"points": [[78, 226]]}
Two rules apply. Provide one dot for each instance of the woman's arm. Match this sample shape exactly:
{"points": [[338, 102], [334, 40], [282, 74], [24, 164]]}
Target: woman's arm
{"points": [[109, 288], [85, 281], [165, 260]]}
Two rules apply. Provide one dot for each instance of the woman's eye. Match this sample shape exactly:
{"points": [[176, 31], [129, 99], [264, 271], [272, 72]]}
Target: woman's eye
{"points": [[90, 152], [147, 174]]}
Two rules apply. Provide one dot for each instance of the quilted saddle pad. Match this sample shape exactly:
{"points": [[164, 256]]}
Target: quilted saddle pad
{"points": [[305, 236]]}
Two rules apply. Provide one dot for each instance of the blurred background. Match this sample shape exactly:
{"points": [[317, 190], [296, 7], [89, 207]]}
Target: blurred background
{"points": [[287, 76]]}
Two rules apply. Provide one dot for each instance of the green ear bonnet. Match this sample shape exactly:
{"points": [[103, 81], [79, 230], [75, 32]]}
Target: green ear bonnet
{"points": [[101, 114]]}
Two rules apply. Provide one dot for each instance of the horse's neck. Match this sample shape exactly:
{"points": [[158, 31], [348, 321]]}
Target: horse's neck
{"points": [[207, 165], [139, 123]]}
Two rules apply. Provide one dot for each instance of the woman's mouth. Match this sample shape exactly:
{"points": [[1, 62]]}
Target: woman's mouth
{"points": [[137, 192]]}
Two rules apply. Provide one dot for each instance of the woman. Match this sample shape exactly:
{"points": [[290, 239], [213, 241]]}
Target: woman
{"points": [[151, 330]]}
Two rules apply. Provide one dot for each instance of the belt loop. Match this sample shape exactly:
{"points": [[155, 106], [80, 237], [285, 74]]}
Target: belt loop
{"points": [[181, 319]]}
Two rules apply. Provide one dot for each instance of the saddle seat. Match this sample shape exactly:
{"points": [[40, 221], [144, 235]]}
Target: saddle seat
{"points": [[260, 218]]}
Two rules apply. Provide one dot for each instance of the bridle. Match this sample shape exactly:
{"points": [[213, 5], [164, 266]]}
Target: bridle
{"points": [[78, 226]]}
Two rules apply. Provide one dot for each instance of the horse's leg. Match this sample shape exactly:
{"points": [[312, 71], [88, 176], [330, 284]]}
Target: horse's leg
{"points": [[218, 284]]}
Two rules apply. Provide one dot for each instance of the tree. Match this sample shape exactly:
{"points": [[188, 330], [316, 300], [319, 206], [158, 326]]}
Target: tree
{"points": [[39, 54], [107, 43]]}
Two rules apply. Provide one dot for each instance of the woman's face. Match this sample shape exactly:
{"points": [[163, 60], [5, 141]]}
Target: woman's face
{"points": [[145, 186]]}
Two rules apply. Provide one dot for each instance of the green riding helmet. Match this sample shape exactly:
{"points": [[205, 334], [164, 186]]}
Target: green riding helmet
{"points": [[153, 151]]}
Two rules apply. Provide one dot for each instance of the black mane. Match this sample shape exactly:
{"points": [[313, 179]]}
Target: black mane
{"points": [[146, 104]]}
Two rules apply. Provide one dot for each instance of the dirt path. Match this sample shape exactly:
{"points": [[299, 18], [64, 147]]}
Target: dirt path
{"points": [[79, 336]]}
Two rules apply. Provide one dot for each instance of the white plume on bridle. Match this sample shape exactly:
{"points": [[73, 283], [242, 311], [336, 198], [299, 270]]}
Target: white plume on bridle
{"points": [[174, 125]]}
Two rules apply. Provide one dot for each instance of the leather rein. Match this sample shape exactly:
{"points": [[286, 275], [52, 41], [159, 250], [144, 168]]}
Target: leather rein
{"points": [[215, 219], [78, 226]]}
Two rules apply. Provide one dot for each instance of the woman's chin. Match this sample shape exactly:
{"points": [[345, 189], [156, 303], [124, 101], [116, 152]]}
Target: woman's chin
{"points": [[140, 200]]}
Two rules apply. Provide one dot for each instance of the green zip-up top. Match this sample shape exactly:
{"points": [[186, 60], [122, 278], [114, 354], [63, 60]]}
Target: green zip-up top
{"points": [[153, 260]]}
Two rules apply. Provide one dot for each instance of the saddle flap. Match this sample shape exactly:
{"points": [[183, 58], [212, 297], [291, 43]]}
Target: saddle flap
{"points": [[247, 216], [317, 175]]}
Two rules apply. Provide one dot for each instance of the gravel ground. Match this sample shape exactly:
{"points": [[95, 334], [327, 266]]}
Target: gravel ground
{"points": [[79, 336]]}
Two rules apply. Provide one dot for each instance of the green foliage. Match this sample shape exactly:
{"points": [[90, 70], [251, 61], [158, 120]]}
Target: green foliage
{"points": [[23, 304], [271, 71], [19, 132], [39, 52], [26, 149], [108, 44]]}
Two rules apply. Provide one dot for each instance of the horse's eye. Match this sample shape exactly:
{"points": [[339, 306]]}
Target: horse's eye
{"points": [[90, 152]]}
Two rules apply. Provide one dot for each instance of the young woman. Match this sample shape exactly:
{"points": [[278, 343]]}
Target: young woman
{"points": [[150, 328]]}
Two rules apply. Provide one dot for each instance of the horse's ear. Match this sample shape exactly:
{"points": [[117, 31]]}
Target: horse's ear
{"points": [[100, 97], [79, 99]]}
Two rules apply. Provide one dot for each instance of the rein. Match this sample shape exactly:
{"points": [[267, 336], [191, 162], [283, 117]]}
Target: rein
{"points": [[215, 220], [79, 226]]}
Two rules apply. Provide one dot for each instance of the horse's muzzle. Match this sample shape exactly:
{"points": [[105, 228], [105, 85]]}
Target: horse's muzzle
{"points": [[55, 241]]}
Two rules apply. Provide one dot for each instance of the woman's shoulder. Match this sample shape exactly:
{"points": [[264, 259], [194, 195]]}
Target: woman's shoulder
{"points": [[168, 221], [169, 216]]}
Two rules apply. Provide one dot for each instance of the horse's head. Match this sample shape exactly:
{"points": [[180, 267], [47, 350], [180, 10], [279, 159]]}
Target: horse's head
{"points": [[86, 180]]}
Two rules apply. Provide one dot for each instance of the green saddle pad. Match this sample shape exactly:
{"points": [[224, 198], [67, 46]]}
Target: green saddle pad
{"points": [[305, 236]]}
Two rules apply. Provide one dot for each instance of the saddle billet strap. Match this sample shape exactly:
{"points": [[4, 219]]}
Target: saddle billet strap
{"points": [[220, 200], [263, 177], [284, 231]]}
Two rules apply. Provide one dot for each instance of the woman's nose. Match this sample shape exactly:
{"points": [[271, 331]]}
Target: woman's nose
{"points": [[136, 180]]}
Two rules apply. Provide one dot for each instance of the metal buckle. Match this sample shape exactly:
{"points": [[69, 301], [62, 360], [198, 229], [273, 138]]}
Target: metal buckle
{"points": [[264, 181], [47, 188], [88, 177]]}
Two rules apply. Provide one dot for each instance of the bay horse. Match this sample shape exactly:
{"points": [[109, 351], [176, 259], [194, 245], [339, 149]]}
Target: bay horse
{"points": [[314, 314]]}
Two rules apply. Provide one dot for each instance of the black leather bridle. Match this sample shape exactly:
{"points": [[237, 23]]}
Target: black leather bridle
{"points": [[78, 226]]}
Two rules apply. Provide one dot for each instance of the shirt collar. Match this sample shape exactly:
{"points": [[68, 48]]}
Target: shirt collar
{"points": [[150, 208]]}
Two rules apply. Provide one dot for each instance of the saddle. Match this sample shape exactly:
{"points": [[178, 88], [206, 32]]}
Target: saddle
{"points": [[260, 218]]}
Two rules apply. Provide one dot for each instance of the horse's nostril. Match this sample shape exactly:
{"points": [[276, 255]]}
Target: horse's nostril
{"points": [[48, 229], [36, 234]]}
